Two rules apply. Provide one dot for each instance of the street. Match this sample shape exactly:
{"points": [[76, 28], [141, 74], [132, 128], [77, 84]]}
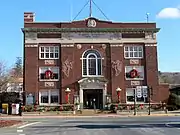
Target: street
{"points": [[97, 126]]}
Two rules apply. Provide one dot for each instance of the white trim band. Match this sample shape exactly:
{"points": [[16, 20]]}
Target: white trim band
{"points": [[150, 44], [31, 45], [89, 40], [67, 45], [116, 45]]}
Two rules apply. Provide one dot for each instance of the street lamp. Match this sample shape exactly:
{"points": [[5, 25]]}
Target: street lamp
{"points": [[150, 93], [118, 90], [67, 91]]}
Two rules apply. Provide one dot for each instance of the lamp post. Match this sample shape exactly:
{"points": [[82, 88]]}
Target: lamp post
{"points": [[149, 98], [67, 95], [118, 90], [135, 94]]}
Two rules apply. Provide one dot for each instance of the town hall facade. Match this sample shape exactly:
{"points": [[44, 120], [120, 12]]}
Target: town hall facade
{"points": [[90, 59]]}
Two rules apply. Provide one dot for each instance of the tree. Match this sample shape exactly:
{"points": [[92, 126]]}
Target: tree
{"points": [[18, 68], [5, 78]]}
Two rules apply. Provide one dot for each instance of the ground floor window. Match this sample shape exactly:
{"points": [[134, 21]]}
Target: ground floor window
{"points": [[139, 94], [49, 97]]}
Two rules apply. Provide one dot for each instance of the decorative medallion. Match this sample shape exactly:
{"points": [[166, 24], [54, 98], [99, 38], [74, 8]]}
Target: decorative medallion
{"points": [[92, 46], [91, 23], [104, 46], [49, 62], [66, 67], [135, 83], [79, 46], [117, 66], [49, 84], [134, 61]]}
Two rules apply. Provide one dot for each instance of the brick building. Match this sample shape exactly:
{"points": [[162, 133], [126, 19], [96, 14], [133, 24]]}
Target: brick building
{"points": [[91, 58]]}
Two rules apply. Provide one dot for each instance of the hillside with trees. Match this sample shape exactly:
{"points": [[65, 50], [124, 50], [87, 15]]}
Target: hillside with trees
{"points": [[169, 77]]}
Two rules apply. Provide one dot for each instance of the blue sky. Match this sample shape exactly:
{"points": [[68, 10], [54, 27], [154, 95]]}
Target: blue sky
{"points": [[165, 12]]}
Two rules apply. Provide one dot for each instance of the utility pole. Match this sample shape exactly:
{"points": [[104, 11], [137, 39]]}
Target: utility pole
{"points": [[149, 97], [90, 8], [134, 101], [147, 17]]}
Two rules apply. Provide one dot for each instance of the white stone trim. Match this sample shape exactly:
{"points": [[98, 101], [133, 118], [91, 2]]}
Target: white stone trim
{"points": [[150, 44], [90, 40], [96, 85], [116, 45], [72, 45], [35, 45]]}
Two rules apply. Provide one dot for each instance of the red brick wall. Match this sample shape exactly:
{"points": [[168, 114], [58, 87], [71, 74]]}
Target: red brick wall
{"points": [[151, 70], [117, 53], [163, 92], [31, 70]]}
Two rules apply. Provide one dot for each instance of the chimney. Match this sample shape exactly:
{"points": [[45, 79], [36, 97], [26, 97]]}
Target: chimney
{"points": [[29, 17]]}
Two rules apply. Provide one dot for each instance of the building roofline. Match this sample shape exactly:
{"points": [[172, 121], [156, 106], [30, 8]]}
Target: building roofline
{"points": [[59, 30]]}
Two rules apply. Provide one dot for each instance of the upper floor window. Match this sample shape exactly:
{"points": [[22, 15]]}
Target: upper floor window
{"points": [[91, 63], [49, 73], [133, 51], [49, 52]]}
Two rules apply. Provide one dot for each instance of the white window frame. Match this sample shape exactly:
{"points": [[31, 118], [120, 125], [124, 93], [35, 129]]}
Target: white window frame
{"points": [[48, 80], [49, 97], [138, 46], [137, 102], [135, 78], [87, 65], [49, 52]]}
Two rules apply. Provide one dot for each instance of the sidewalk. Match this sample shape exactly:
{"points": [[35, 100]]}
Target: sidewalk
{"points": [[45, 115]]}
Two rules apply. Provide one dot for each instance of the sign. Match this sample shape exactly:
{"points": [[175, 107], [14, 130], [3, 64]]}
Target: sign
{"points": [[139, 93], [30, 99], [92, 35], [145, 92]]}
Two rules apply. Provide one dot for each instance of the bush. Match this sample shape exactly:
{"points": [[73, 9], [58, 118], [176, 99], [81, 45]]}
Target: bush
{"points": [[173, 102], [31, 108]]}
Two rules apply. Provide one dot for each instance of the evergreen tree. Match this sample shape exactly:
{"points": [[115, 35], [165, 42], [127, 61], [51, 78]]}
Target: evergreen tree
{"points": [[18, 68]]}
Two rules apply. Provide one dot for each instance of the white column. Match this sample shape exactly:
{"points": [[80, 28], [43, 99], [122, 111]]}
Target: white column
{"points": [[81, 97], [104, 94]]}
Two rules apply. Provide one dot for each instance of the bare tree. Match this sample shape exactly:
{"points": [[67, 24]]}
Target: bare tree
{"points": [[5, 78]]}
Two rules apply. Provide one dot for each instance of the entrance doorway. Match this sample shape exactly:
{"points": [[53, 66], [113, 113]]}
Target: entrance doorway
{"points": [[92, 98]]}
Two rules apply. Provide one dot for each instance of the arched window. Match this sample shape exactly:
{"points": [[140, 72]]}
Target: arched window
{"points": [[92, 63]]}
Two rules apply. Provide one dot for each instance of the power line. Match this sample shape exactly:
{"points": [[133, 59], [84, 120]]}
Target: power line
{"points": [[80, 10], [100, 10]]}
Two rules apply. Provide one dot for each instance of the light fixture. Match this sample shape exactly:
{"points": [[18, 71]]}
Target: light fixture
{"points": [[118, 89], [67, 90]]}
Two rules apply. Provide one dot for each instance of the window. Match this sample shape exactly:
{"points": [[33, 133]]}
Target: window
{"points": [[49, 97], [133, 51], [140, 94], [49, 73], [91, 63], [49, 52], [134, 72]]}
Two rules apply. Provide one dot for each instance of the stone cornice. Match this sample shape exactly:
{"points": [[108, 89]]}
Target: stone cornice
{"points": [[61, 30]]}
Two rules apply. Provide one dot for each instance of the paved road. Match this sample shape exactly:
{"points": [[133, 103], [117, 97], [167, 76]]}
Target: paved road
{"points": [[97, 126]]}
